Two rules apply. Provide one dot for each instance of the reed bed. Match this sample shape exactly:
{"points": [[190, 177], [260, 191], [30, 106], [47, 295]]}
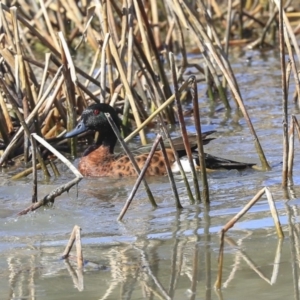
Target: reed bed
{"points": [[129, 45]]}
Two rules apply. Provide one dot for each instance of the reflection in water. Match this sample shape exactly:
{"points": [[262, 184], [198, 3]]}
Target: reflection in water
{"points": [[165, 253]]}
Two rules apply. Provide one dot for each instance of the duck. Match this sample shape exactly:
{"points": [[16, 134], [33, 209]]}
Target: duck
{"points": [[99, 159]]}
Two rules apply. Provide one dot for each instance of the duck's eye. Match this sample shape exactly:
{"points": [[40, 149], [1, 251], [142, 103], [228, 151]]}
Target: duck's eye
{"points": [[96, 112]]}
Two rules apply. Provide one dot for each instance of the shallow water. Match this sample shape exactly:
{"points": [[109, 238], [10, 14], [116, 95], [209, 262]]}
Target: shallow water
{"points": [[164, 253]]}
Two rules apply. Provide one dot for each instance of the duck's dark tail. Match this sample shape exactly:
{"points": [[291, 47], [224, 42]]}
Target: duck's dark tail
{"points": [[214, 162]]}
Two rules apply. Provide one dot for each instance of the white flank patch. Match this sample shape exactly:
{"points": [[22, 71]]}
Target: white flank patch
{"points": [[185, 165]]}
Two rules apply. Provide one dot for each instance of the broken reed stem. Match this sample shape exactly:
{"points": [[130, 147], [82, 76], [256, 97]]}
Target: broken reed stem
{"points": [[70, 243], [61, 189], [69, 88], [140, 178], [201, 154], [130, 156], [34, 170], [218, 282], [289, 36], [250, 204], [291, 152], [284, 99], [103, 69], [28, 171], [75, 235], [50, 197], [177, 159], [244, 210], [183, 128], [170, 175], [58, 155], [274, 213], [230, 224], [54, 168], [297, 126], [44, 76], [79, 248]]}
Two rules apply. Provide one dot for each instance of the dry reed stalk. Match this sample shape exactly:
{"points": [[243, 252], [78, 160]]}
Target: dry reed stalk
{"points": [[183, 128], [45, 75], [127, 89], [129, 154], [274, 213], [75, 236], [286, 33], [244, 210], [212, 35], [23, 123], [293, 65], [3, 125], [70, 81], [177, 160], [127, 25], [109, 60], [144, 39], [284, 99], [291, 152], [29, 120], [297, 126], [225, 68], [170, 175], [218, 282], [93, 67], [151, 79], [231, 223], [49, 25], [34, 171], [103, 69], [228, 27], [139, 179], [79, 248], [182, 48], [138, 52], [201, 154], [5, 120], [155, 113], [160, 67], [47, 122], [54, 168], [58, 191], [23, 89], [28, 171]]}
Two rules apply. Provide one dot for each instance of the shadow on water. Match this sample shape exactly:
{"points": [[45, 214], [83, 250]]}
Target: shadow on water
{"points": [[164, 253]]}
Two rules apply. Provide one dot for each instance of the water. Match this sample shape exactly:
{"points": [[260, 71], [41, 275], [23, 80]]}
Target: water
{"points": [[161, 253]]}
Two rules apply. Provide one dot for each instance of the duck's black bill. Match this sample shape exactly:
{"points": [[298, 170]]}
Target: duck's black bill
{"points": [[80, 128]]}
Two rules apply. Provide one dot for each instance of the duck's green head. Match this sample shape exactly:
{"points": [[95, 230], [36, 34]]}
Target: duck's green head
{"points": [[93, 118]]}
